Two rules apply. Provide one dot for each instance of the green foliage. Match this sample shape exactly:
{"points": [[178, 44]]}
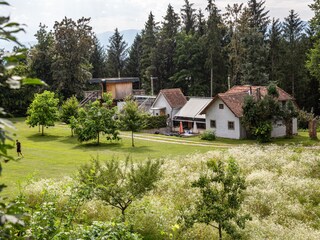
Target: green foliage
{"points": [[69, 109], [96, 118], [156, 121], [303, 118], [100, 231], [260, 113], [118, 185], [116, 54], [221, 191], [73, 46], [208, 135], [43, 111], [131, 118], [263, 131]]}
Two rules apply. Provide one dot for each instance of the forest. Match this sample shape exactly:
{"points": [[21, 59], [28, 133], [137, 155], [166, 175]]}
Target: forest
{"points": [[203, 52]]}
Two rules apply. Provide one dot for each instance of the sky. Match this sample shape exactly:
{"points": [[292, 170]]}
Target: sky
{"points": [[106, 15]]}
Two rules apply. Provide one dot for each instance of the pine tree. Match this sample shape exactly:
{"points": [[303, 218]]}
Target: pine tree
{"points": [[116, 54]]}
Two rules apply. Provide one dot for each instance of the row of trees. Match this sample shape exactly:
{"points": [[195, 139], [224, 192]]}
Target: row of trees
{"points": [[88, 122], [187, 50]]}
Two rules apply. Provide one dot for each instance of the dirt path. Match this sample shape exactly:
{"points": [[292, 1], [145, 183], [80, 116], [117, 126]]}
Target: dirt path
{"points": [[181, 141]]}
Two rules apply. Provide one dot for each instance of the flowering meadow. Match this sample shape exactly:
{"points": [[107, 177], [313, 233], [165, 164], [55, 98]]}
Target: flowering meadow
{"points": [[282, 196]]}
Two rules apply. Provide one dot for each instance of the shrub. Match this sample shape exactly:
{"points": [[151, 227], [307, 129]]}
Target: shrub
{"points": [[156, 122], [208, 135]]}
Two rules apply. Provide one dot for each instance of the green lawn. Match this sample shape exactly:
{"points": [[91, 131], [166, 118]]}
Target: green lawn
{"points": [[57, 154]]}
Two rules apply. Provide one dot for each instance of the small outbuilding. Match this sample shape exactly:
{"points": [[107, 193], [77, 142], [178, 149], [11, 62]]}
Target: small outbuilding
{"points": [[168, 102]]}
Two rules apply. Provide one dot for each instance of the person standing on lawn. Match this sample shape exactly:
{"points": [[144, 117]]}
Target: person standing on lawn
{"points": [[18, 144]]}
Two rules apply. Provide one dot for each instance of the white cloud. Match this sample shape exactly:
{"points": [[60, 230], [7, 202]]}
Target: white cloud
{"points": [[107, 15]]}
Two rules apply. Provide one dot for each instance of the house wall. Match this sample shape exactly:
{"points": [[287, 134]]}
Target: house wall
{"points": [[119, 90], [161, 102], [222, 116], [295, 126], [278, 129]]}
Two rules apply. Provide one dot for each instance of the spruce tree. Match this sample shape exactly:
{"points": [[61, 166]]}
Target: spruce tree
{"points": [[215, 56], [292, 32], [254, 21], [97, 60], [276, 51], [233, 48], [166, 48], [133, 65], [116, 54], [148, 45], [188, 17]]}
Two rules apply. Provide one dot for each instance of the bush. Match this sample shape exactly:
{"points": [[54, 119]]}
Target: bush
{"points": [[156, 121], [208, 135]]}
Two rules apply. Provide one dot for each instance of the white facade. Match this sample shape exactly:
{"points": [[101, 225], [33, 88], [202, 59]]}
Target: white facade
{"points": [[161, 104], [223, 119], [279, 129]]}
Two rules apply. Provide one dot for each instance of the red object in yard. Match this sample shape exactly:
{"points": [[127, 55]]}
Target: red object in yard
{"points": [[181, 128]]}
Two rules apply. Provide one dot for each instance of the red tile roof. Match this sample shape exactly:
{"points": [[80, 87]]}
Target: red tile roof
{"points": [[175, 97], [234, 98], [283, 96]]}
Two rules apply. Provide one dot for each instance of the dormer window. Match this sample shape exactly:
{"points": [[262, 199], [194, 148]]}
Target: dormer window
{"points": [[221, 106]]}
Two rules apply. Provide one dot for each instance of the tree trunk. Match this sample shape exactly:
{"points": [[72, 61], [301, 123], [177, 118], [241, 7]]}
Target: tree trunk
{"points": [[42, 131], [98, 138], [289, 129], [220, 232], [132, 140], [123, 214]]}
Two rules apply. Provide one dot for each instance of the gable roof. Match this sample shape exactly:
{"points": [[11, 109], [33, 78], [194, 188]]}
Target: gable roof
{"points": [[193, 108], [234, 98], [283, 96], [174, 97]]}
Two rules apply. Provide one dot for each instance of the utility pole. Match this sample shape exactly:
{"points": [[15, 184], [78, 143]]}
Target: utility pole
{"points": [[152, 78]]}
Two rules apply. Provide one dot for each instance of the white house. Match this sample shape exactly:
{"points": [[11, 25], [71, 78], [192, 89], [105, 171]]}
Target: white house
{"points": [[224, 112], [168, 102]]}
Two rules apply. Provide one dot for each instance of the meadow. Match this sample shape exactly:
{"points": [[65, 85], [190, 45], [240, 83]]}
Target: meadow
{"points": [[282, 178]]}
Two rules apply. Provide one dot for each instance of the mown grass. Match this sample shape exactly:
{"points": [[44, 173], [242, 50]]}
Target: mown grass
{"points": [[58, 154]]}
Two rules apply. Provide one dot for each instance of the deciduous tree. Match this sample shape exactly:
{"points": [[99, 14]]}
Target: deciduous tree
{"points": [[94, 119], [131, 118], [119, 185], [221, 189], [43, 111]]}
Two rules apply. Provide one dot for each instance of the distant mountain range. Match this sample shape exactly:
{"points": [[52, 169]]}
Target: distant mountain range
{"points": [[128, 37]]}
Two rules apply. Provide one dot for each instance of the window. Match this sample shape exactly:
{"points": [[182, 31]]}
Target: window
{"points": [[231, 125], [213, 123], [221, 106]]}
